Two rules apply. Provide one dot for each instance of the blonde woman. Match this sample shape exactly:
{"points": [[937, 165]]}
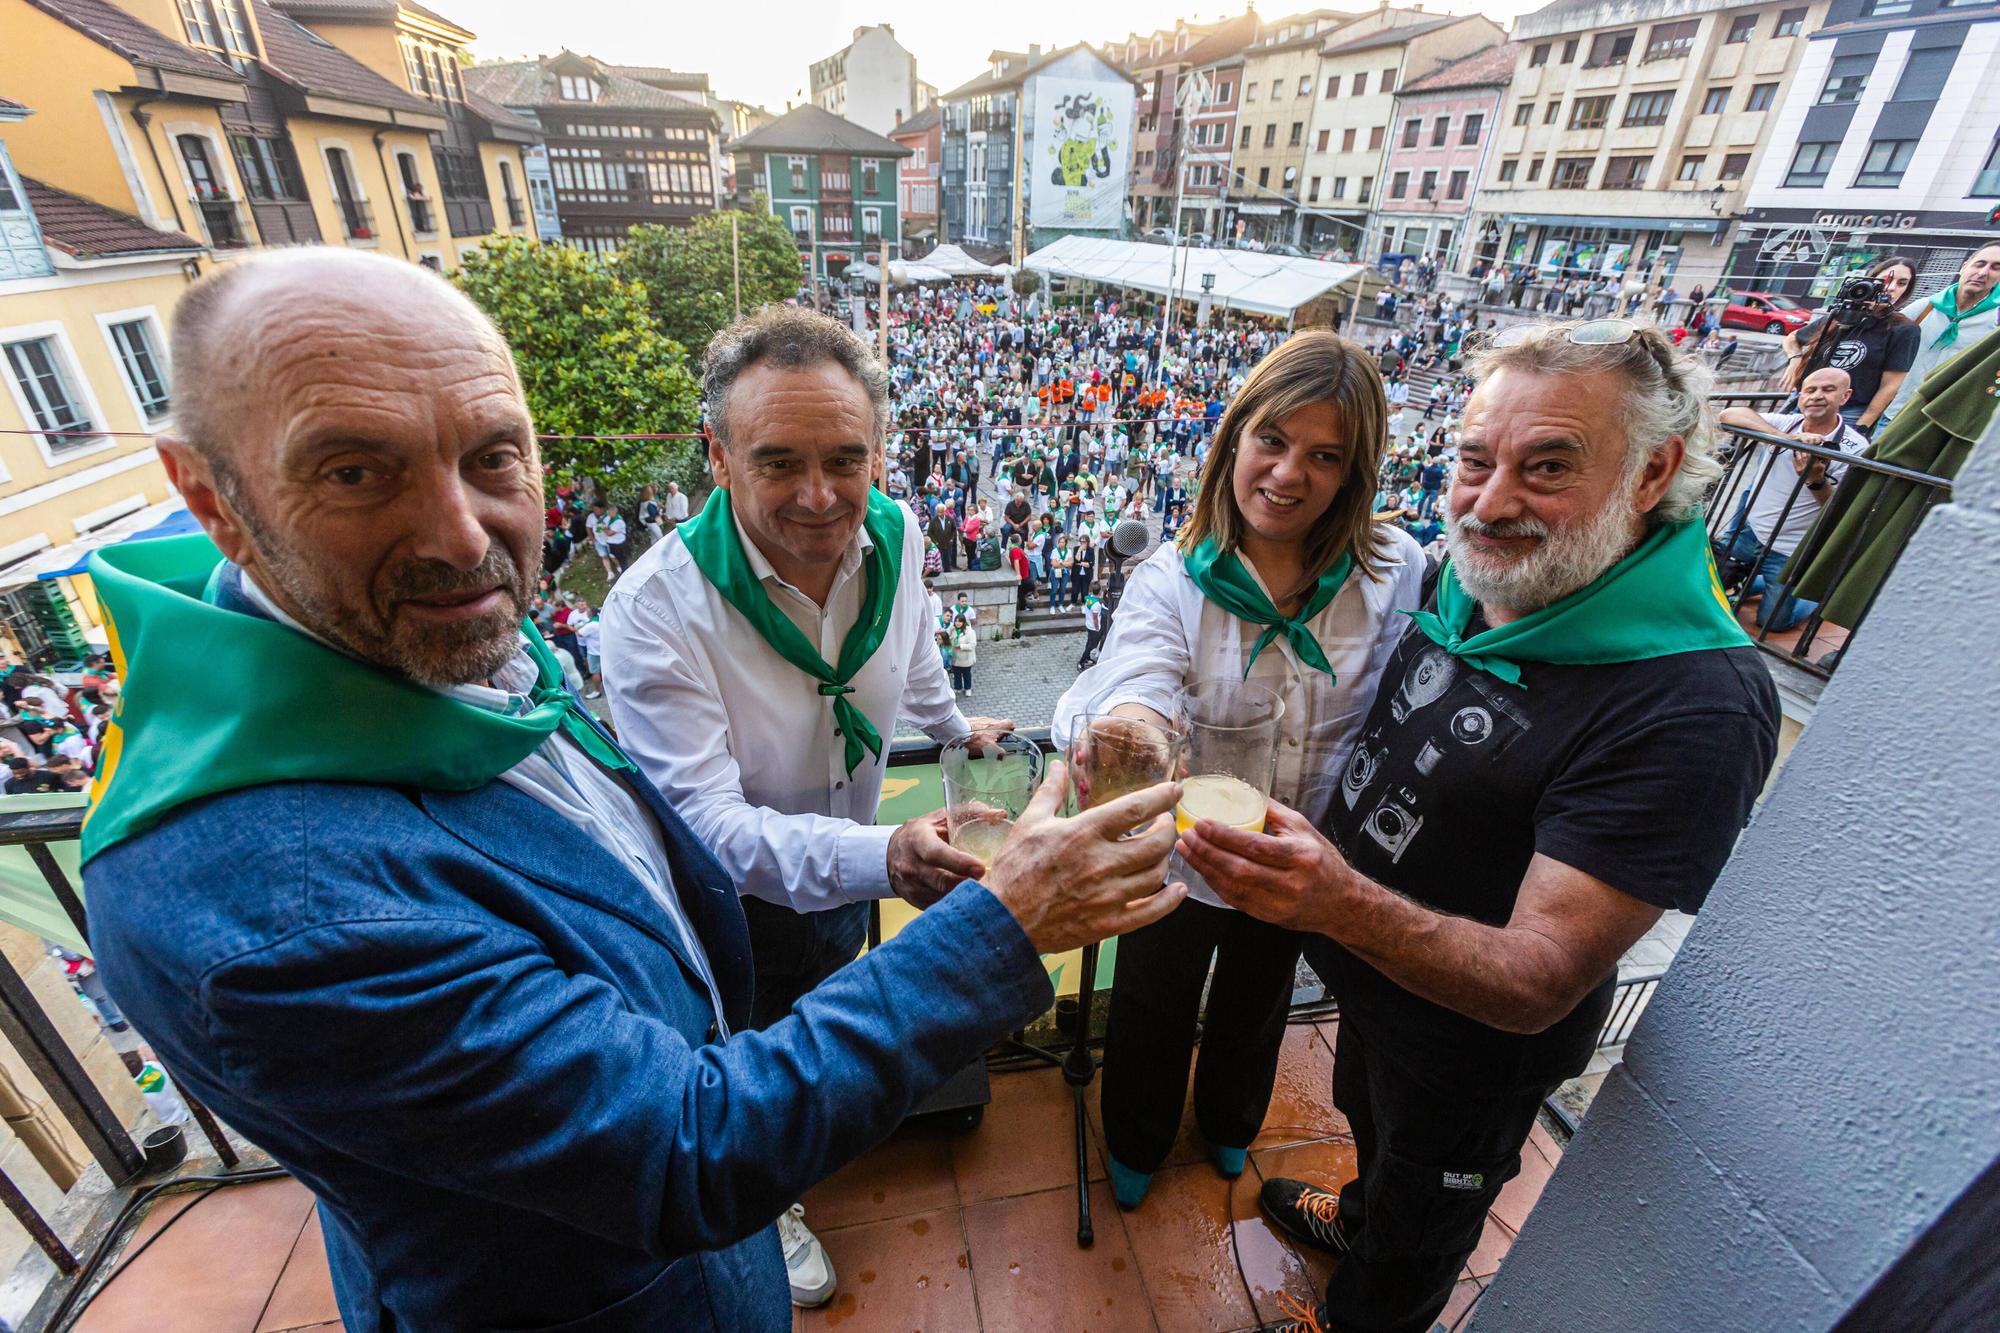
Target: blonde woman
{"points": [[1279, 577]]}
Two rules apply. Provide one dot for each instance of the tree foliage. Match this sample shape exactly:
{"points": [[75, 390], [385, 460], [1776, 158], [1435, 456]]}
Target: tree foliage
{"points": [[687, 270], [592, 363]]}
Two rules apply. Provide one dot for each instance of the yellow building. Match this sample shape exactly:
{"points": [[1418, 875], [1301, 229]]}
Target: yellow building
{"points": [[143, 140]]}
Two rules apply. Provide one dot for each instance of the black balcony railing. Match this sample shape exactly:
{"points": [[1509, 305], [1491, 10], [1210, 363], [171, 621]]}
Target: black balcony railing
{"points": [[517, 216], [357, 220], [218, 216]]}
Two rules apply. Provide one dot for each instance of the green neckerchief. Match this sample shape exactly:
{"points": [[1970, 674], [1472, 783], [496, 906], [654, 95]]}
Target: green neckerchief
{"points": [[1946, 304], [1224, 581], [1662, 599], [712, 540], [215, 700]]}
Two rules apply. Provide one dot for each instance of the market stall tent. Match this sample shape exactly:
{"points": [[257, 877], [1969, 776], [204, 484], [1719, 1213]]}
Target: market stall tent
{"points": [[1244, 279], [956, 262]]}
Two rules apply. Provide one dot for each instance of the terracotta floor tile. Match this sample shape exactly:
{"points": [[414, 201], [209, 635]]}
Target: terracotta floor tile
{"points": [[1518, 1196], [1545, 1141], [1329, 1162], [1302, 1099], [1189, 1146], [1026, 1143], [1032, 1278], [1493, 1244], [1181, 1237], [905, 1273], [180, 1285], [303, 1298], [1462, 1296], [910, 1173]]}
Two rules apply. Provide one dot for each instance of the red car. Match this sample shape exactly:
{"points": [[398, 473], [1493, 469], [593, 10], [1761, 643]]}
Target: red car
{"points": [[1765, 311]]}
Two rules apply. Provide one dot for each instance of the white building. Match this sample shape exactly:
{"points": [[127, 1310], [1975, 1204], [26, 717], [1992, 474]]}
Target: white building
{"points": [[872, 81], [1887, 142]]}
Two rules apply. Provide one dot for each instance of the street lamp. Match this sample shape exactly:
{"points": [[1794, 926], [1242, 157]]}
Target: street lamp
{"points": [[1207, 291]]}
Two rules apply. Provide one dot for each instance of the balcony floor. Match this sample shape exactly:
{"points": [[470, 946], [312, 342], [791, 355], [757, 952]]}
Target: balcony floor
{"points": [[974, 1232]]}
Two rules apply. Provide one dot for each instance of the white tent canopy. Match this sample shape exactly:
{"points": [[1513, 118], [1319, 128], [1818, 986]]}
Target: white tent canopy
{"points": [[956, 262], [1244, 279], [901, 272]]}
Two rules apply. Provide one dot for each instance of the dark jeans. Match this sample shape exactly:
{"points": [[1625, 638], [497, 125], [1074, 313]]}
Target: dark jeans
{"points": [[795, 951], [1432, 1162], [961, 678], [1092, 641], [1150, 1033]]}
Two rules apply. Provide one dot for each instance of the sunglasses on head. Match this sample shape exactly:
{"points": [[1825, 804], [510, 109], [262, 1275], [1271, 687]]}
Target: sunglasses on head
{"points": [[1590, 333]]}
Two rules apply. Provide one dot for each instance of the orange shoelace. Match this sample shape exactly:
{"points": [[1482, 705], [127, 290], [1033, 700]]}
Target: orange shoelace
{"points": [[1323, 1206], [1293, 1308]]}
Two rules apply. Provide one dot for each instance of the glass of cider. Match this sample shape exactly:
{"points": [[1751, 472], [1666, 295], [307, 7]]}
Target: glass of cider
{"points": [[1229, 752]]}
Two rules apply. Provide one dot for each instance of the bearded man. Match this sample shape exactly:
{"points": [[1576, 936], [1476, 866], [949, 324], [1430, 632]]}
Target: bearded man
{"points": [[1566, 743], [381, 891]]}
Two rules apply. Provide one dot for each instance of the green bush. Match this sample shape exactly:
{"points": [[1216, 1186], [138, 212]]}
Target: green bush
{"points": [[687, 271]]}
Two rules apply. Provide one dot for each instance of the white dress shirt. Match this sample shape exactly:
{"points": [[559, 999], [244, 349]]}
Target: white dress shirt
{"points": [[1166, 635], [559, 775], [742, 742], [675, 504]]}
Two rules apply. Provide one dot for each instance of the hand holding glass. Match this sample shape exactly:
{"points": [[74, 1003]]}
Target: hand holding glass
{"points": [[988, 780], [1230, 752]]}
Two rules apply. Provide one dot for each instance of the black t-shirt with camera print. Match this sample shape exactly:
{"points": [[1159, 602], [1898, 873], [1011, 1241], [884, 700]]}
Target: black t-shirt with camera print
{"points": [[1640, 774]]}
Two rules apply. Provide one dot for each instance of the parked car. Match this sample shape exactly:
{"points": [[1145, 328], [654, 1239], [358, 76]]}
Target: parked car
{"points": [[1158, 236], [1201, 240], [1286, 249], [1768, 312]]}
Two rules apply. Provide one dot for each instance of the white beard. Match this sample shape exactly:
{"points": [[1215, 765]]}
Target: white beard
{"points": [[1565, 559]]}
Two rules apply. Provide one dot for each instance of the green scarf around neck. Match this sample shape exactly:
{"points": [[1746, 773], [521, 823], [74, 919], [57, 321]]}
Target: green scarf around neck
{"points": [[711, 538], [1663, 598], [1946, 304], [215, 700], [1223, 580]]}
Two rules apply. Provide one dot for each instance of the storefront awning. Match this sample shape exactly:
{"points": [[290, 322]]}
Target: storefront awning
{"points": [[1703, 226], [176, 524]]}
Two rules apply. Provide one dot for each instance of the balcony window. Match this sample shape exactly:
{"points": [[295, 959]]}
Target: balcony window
{"points": [[1885, 163], [1459, 180], [269, 168], [1572, 173], [1569, 52], [1508, 167], [356, 220], [47, 381], [1440, 131], [802, 224], [1810, 164], [1427, 187], [1399, 185], [1664, 41], [1741, 29], [870, 175], [1246, 138], [136, 343], [1263, 178], [1845, 79], [871, 224], [1297, 136], [1987, 184], [212, 198], [1340, 187], [1551, 111], [1412, 130], [1715, 101], [1524, 113], [1367, 189], [1734, 167], [1648, 108], [1611, 48], [413, 194], [1539, 56], [1791, 22], [798, 168], [1271, 136], [1626, 173], [1474, 123], [1690, 168], [1924, 74], [1762, 95], [516, 216], [1534, 170], [1305, 85], [1589, 113], [1312, 190]]}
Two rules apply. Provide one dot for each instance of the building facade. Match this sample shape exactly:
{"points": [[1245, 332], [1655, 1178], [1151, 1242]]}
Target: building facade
{"points": [[621, 151], [1211, 135], [1000, 165], [1363, 67], [1441, 132], [872, 81], [168, 138], [1159, 63], [1886, 142], [1280, 82], [1629, 143], [918, 177], [833, 183]]}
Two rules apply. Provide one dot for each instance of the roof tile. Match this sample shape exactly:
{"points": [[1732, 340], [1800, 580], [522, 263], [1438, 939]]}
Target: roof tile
{"points": [[531, 83], [812, 129], [1490, 67], [115, 30], [78, 227], [312, 64]]}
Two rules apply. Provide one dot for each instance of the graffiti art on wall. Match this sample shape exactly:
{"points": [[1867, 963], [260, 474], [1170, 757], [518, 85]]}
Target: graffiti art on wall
{"points": [[1082, 134]]}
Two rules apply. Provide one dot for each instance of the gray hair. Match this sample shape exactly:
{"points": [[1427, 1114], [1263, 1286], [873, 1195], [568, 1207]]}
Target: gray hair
{"points": [[791, 338], [1669, 396]]}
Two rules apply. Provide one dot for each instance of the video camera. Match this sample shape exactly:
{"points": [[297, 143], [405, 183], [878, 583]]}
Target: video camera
{"points": [[1859, 296]]}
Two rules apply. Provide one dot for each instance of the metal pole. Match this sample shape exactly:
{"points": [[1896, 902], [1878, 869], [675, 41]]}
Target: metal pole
{"points": [[62, 1076], [735, 264], [882, 322], [37, 1228]]}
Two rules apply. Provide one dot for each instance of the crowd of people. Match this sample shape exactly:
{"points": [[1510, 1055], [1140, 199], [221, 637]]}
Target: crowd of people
{"points": [[50, 732]]}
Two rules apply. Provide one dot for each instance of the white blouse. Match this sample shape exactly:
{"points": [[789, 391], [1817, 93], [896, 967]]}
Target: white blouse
{"points": [[1166, 634]]}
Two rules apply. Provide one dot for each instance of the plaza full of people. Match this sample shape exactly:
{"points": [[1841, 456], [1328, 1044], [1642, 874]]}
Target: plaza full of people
{"points": [[587, 995]]}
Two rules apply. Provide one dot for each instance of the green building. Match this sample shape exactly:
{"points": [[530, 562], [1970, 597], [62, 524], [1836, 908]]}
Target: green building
{"points": [[831, 181]]}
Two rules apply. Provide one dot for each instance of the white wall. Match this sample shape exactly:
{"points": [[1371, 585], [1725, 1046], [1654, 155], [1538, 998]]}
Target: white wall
{"points": [[880, 77]]}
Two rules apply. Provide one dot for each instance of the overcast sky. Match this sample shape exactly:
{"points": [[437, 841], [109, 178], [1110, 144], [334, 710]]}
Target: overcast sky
{"points": [[759, 50]]}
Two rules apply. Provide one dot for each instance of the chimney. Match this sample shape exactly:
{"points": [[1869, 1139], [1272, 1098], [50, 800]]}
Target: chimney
{"points": [[1035, 48]]}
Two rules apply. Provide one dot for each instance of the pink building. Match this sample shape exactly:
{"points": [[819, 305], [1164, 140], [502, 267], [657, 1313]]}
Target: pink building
{"points": [[1444, 124], [917, 179]]}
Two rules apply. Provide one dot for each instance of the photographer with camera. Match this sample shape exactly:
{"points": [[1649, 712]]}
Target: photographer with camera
{"points": [[1952, 320], [1862, 333]]}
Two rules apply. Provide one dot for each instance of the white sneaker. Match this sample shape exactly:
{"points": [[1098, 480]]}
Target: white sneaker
{"points": [[806, 1264]]}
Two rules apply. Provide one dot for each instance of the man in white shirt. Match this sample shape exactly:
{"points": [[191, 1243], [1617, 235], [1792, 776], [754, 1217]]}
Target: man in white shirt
{"points": [[607, 534], [1771, 506], [777, 769], [1952, 320], [676, 505]]}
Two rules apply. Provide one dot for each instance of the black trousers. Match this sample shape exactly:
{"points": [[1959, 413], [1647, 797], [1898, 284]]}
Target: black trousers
{"points": [[795, 951], [1155, 1000], [1092, 641], [1431, 1162]]}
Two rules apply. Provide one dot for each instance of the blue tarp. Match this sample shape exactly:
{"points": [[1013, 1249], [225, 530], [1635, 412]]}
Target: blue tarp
{"points": [[177, 524]]}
